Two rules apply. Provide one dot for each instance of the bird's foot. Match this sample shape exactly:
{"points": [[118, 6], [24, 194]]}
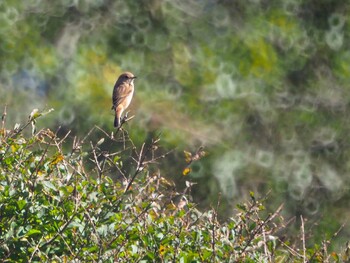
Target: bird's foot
{"points": [[125, 119]]}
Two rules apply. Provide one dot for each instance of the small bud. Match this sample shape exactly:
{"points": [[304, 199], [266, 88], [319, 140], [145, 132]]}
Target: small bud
{"points": [[34, 114], [100, 142]]}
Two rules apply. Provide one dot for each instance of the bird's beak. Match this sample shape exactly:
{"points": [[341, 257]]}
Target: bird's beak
{"points": [[134, 77]]}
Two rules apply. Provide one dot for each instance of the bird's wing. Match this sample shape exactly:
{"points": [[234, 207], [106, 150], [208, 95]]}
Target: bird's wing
{"points": [[121, 92]]}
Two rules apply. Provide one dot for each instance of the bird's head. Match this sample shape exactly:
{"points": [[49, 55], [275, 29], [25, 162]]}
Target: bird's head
{"points": [[127, 77]]}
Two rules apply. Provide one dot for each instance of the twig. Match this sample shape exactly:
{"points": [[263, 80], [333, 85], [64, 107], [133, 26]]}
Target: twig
{"points": [[35, 250], [3, 118], [259, 227], [124, 120], [43, 156], [96, 161], [130, 224], [139, 167], [267, 255], [60, 231], [104, 132], [328, 241], [67, 245], [12, 135], [87, 135], [303, 238], [153, 160], [115, 165], [65, 136], [291, 250], [96, 233], [213, 236], [176, 249]]}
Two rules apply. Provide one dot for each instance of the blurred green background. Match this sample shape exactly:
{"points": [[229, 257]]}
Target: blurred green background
{"points": [[263, 85]]}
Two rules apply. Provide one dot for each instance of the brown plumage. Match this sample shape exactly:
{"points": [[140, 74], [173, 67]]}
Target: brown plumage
{"points": [[122, 95]]}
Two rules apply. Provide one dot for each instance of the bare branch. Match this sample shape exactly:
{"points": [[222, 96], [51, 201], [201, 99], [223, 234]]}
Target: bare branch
{"points": [[3, 118], [303, 238]]}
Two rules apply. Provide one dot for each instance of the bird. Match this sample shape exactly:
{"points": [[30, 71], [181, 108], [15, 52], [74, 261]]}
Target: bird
{"points": [[123, 92]]}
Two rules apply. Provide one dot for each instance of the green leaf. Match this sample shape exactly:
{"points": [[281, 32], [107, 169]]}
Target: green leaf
{"points": [[21, 204], [252, 226], [33, 231], [242, 207], [93, 196], [48, 185], [93, 249], [116, 159], [134, 249], [160, 236], [77, 225], [102, 230]]}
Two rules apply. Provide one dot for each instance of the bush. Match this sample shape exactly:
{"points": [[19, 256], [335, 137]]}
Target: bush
{"points": [[62, 205]]}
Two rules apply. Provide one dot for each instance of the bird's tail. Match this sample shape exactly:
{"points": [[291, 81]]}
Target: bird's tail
{"points": [[116, 122]]}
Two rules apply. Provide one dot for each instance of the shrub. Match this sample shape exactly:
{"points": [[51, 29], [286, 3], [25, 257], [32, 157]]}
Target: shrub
{"points": [[62, 205]]}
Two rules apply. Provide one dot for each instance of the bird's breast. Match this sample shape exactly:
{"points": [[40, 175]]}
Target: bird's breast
{"points": [[129, 98]]}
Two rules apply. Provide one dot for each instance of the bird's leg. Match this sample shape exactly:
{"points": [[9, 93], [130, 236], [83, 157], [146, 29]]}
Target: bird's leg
{"points": [[125, 118]]}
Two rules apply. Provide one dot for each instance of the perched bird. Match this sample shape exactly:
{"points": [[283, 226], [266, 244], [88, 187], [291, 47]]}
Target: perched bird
{"points": [[122, 95]]}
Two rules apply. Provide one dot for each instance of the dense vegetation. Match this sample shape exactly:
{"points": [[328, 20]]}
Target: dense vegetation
{"points": [[262, 85], [55, 209]]}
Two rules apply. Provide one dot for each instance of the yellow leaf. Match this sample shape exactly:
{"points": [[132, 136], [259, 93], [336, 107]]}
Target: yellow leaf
{"points": [[186, 171], [171, 206], [153, 214], [58, 159], [165, 182], [161, 250], [188, 156]]}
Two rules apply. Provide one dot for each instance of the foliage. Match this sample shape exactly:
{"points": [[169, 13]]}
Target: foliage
{"points": [[55, 207]]}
